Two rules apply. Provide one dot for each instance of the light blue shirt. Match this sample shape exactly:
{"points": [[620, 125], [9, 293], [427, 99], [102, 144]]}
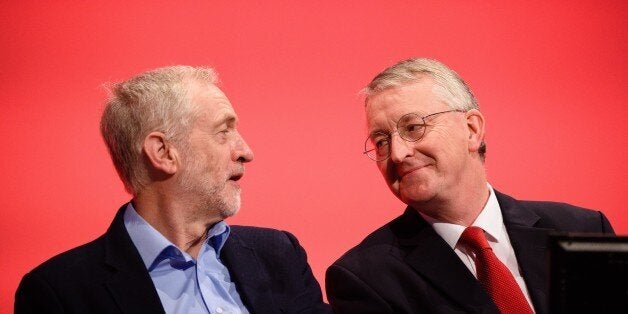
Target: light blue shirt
{"points": [[183, 284]]}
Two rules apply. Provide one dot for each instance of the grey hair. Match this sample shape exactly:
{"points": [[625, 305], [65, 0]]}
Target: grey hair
{"points": [[449, 86], [157, 100]]}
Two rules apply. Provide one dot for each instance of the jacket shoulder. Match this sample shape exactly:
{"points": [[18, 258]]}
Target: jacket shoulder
{"points": [[66, 263], [371, 248], [251, 231], [567, 217], [266, 241], [50, 286], [560, 216]]}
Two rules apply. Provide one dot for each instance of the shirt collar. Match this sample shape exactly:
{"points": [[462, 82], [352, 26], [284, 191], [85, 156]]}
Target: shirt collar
{"points": [[490, 219], [153, 246], [217, 236]]}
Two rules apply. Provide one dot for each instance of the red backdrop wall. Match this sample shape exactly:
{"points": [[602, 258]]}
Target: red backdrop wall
{"points": [[549, 76]]}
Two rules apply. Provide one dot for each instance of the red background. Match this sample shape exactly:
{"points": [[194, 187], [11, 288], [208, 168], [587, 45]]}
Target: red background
{"points": [[549, 76]]}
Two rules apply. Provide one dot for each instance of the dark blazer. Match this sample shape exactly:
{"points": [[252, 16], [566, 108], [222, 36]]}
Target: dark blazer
{"points": [[107, 275], [406, 267]]}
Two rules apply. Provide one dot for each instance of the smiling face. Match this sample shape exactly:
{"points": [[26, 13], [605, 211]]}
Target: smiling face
{"points": [[434, 168], [214, 154]]}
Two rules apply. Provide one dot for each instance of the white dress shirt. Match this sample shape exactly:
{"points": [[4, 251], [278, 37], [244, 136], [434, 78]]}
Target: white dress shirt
{"points": [[492, 222]]}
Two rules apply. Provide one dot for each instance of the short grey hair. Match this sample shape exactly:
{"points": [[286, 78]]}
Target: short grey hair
{"points": [[157, 100], [450, 87]]}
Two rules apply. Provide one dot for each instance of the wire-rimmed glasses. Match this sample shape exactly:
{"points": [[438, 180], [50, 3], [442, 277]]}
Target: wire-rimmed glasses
{"points": [[411, 127]]}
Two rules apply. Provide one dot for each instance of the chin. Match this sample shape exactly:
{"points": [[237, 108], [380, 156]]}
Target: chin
{"points": [[230, 207], [226, 213], [416, 195]]}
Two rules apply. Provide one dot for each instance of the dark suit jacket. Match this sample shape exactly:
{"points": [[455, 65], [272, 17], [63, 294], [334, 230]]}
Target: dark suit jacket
{"points": [[406, 267], [107, 275]]}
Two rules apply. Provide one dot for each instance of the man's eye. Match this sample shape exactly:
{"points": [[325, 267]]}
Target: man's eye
{"points": [[413, 128], [223, 134], [381, 143]]}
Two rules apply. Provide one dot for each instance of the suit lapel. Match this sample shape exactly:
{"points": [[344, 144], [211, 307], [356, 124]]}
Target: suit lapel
{"points": [[130, 284], [530, 246], [246, 272], [429, 255]]}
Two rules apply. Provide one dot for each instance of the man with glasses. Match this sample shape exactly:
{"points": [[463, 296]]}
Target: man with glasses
{"points": [[460, 246]]}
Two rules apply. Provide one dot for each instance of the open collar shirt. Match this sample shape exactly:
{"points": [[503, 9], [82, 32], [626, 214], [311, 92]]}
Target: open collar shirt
{"points": [[185, 285]]}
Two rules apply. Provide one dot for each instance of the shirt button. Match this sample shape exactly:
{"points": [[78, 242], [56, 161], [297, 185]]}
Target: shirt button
{"points": [[218, 310]]}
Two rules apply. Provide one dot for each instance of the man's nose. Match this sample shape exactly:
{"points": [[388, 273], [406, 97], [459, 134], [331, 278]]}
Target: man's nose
{"points": [[242, 151], [400, 148]]}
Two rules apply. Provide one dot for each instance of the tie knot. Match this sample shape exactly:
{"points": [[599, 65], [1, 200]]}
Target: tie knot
{"points": [[474, 238]]}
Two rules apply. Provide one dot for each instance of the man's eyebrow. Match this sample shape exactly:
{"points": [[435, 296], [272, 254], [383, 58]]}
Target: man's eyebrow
{"points": [[377, 131], [229, 119]]}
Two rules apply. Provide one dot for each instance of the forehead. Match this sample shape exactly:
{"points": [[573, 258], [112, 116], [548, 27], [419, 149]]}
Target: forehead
{"points": [[213, 104], [387, 106]]}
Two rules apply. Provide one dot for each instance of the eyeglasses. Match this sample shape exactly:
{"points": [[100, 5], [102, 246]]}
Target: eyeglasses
{"points": [[411, 128]]}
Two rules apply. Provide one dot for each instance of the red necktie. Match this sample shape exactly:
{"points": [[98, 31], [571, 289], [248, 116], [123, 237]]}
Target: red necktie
{"points": [[494, 275]]}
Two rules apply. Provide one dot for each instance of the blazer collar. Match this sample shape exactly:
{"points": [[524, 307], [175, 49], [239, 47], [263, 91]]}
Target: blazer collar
{"points": [[429, 255], [530, 245], [244, 268], [130, 284]]}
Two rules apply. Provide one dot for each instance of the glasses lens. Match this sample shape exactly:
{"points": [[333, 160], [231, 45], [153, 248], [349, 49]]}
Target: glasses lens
{"points": [[376, 146], [411, 127]]}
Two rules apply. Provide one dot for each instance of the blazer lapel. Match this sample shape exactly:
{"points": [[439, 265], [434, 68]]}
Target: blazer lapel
{"points": [[246, 272], [430, 256], [530, 245], [130, 284]]}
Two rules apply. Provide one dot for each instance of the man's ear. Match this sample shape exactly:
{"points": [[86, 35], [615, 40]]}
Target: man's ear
{"points": [[475, 125], [161, 154]]}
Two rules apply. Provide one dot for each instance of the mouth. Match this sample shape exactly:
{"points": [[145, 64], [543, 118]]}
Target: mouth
{"points": [[405, 171], [236, 176]]}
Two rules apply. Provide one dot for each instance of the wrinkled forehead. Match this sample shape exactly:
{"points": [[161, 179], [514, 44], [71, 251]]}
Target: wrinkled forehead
{"points": [[200, 91], [212, 103]]}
